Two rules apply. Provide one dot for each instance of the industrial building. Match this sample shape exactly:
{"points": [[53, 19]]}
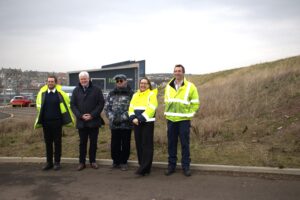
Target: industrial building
{"points": [[103, 77]]}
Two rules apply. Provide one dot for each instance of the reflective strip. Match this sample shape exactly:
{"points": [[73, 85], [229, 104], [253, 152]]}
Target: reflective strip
{"points": [[151, 93], [178, 101], [186, 95], [179, 114], [152, 106], [195, 101], [38, 105], [147, 118], [168, 92], [187, 91]]}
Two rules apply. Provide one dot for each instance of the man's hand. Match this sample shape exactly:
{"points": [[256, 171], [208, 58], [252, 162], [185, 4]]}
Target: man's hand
{"points": [[87, 117]]}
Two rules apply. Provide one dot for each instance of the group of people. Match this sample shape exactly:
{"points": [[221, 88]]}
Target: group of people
{"points": [[126, 111]]}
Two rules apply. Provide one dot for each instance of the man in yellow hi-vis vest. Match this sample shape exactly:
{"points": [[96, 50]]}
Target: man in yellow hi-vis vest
{"points": [[181, 104], [53, 112]]}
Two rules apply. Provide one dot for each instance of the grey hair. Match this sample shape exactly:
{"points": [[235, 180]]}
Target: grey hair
{"points": [[84, 73]]}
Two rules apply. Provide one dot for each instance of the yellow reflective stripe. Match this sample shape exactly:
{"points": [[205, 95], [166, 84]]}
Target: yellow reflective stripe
{"points": [[195, 101], [147, 118], [38, 105], [179, 114], [177, 101]]}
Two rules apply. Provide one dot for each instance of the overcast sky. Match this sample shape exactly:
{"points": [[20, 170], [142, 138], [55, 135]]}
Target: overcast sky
{"points": [[205, 36]]}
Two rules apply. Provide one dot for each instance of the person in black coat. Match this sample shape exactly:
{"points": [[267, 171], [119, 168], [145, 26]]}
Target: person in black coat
{"points": [[87, 103], [116, 109]]}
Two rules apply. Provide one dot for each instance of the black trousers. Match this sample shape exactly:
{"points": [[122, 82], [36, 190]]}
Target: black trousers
{"points": [[120, 145], [143, 134], [52, 135], [84, 135]]}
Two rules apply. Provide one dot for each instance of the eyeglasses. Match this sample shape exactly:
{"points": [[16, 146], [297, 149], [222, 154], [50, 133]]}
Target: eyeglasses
{"points": [[119, 81], [143, 83]]}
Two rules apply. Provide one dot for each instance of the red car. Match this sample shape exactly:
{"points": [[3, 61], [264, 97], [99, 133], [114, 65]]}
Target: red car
{"points": [[20, 101]]}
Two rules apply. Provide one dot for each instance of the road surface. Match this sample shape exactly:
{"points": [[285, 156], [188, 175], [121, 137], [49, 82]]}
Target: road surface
{"points": [[28, 181]]}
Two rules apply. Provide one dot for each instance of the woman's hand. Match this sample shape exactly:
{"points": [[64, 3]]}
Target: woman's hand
{"points": [[135, 122]]}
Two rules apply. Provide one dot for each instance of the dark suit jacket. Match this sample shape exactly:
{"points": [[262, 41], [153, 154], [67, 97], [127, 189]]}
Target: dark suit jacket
{"points": [[91, 101]]}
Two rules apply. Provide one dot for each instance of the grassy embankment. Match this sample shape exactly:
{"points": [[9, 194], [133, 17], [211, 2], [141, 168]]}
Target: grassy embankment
{"points": [[248, 116]]}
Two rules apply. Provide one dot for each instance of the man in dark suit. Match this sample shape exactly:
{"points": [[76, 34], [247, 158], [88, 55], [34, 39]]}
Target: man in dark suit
{"points": [[87, 103]]}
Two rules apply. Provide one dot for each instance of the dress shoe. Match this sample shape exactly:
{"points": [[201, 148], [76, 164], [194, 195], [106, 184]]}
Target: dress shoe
{"points": [[48, 166], [139, 173], [80, 167], [115, 166], [187, 172], [57, 166], [169, 171], [94, 165]]}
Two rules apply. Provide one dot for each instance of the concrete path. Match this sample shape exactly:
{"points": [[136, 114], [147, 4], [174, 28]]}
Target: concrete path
{"points": [[27, 181]]}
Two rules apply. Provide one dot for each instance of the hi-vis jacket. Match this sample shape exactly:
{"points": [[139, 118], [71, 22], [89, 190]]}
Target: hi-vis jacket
{"points": [[143, 105], [64, 105], [182, 104]]}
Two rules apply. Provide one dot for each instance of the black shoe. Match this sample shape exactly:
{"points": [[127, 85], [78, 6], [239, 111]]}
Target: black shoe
{"points": [[187, 172], [94, 165], [137, 172], [57, 166], [48, 166], [124, 167], [115, 166], [80, 167], [169, 171]]}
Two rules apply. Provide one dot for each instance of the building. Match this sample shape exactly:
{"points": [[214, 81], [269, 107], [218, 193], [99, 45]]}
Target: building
{"points": [[103, 77]]}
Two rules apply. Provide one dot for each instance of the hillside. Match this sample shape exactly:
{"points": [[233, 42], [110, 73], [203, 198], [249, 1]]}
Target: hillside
{"points": [[252, 112], [248, 116]]}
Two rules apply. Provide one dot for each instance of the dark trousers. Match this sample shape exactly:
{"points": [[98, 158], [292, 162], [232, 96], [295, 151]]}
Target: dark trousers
{"points": [[85, 134], [143, 134], [52, 134], [120, 145], [179, 129]]}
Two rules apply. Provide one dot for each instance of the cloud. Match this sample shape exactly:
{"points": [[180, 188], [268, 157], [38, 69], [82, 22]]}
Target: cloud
{"points": [[208, 35]]}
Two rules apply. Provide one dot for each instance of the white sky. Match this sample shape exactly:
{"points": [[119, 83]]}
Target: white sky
{"points": [[205, 36]]}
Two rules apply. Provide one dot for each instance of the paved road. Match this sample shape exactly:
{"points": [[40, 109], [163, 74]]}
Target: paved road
{"points": [[4, 115], [27, 181], [18, 112]]}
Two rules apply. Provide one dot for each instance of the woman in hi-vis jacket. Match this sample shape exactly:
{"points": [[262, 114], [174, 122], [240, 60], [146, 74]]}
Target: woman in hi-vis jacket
{"points": [[142, 114]]}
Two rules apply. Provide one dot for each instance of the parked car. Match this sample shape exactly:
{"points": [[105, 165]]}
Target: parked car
{"points": [[20, 101]]}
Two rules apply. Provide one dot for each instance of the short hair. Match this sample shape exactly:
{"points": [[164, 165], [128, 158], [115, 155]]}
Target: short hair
{"points": [[52, 76], [181, 66], [84, 73], [148, 81]]}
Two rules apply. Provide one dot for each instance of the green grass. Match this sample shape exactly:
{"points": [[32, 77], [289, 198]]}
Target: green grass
{"points": [[248, 116]]}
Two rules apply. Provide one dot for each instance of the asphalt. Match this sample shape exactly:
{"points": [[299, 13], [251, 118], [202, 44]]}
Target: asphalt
{"points": [[163, 165], [22, 178]]}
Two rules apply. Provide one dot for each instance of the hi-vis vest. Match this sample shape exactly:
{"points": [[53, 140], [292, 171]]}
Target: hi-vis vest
{"points": [[182, 104], [144, 103], [64, 104]]}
